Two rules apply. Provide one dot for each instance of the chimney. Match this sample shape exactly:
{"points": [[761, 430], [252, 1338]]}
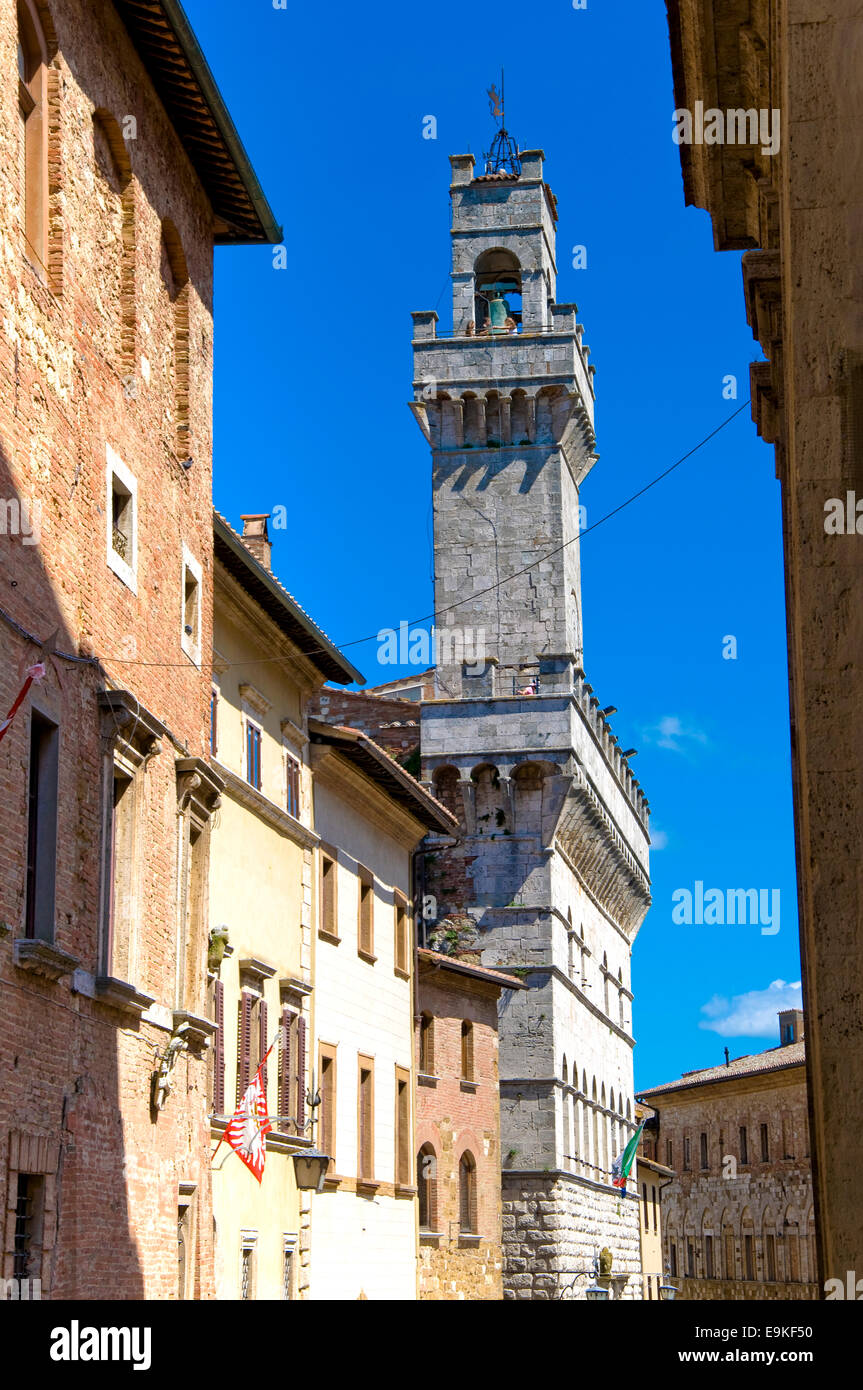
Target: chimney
{"points": [[791, 1027], [256, 539]]}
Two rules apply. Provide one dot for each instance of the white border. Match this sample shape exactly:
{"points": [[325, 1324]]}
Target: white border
{"points": [[191, 645], [116, 468]]}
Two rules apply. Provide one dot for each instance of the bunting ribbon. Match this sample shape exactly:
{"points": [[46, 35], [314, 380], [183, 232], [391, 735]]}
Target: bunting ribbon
{"points": [[34, 673]]}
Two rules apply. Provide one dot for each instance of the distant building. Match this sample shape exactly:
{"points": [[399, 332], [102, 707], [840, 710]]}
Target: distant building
{"points": [[738, 1217], [651, 1178], [458, 1127], [370, 815]]}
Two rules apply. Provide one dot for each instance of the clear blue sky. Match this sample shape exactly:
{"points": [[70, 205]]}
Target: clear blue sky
{"points": [[313, 372]]}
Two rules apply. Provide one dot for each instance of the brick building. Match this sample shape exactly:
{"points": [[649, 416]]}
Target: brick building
{"points": [[458, 1127], [121, 170], [737, 1221]]}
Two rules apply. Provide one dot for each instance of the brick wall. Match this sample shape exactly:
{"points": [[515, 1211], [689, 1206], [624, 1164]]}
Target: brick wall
{"points": [[392, 723], [454, 1116], [78, 373]]}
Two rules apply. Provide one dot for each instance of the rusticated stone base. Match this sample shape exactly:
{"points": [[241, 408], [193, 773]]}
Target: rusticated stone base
{"points": [[553, 1226], [695, 1289]]}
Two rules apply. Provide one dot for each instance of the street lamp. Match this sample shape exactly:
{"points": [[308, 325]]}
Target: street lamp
{"points": [[310, 1169], [667, 1291]]}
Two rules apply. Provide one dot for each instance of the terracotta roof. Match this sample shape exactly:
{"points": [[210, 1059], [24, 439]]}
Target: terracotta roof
{"points": [[500, 177], [231, 551], [774, 1059], [377, 764], [169, 50], [462, 967]]}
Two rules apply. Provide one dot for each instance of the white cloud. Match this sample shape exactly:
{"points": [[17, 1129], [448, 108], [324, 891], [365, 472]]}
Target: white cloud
{"points": [[672, 733], [658, 839], [751, 1015]]}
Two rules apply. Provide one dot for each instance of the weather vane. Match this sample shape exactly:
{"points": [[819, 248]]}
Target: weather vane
{"points": [[502, 158]]}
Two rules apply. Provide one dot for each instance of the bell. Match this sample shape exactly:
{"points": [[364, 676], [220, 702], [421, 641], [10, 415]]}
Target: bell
{"points": [[497, 315]]}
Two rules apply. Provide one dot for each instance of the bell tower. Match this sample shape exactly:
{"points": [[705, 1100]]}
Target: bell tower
{"points": [[506, 403], [551, 864]]}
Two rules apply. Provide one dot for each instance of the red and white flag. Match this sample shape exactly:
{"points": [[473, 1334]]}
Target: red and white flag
{"points": [[249, 1123], [33, 673]]}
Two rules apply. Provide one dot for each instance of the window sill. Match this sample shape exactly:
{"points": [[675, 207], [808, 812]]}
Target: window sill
{"points": [[119, 994], [426, 1079], [329, 936], [471, 1086], [43, 958], [404, 1189], [431, 1237], [367, 956], [468, 1240], [402, 974], [367, 1187]]}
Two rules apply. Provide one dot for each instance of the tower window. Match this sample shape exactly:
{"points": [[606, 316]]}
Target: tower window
{"points": [[42, 828], [122, 520], [33, 126], [497, 292]]}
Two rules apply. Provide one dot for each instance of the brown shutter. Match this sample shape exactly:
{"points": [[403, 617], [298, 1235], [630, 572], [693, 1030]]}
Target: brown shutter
{"points": [[244, 1043], [285, 1068], [219, 1049], [301, 1073], [262, 1040]]}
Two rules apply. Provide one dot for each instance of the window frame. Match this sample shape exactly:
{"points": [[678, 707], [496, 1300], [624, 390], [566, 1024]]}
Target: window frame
{"points": [[366, 932], [191, 642], [328, 892], [366, 1147], [251, 726], [401, 936], [43, 815], [328, 1117], [125, 570], [402, 1135]]}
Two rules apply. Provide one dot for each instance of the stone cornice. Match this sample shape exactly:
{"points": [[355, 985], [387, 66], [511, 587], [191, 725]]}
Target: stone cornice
{"points": [[231, 600], [340, 777], [240, 791]]}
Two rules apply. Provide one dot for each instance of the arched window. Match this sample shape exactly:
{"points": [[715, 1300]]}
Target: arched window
{"points": [[497, 281], [467, 1073], [176, 278], [427, 1187], [467, 1207], [33, 117], [426, 1059]]}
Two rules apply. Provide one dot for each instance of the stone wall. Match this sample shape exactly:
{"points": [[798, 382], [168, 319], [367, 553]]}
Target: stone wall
{"points": [[548, 1232]]}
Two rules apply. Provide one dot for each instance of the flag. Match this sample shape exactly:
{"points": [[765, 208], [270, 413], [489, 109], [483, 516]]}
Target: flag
{"points": [[34, 673], [622, 1164], [249, 1123]]}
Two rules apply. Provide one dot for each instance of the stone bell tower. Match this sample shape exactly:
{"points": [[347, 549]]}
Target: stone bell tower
{"points": [[552, 862]]}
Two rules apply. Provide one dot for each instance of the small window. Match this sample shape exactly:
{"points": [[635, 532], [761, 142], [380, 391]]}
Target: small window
{"points": [[467, 1206], [365, 926], [467, 1073], [672, 1259], [122, 918], [765, 1144], [27, 1255], [708, 1257], [427, 1187], [253, 755], [770, 1252], [327, 1112], [403, 1128], [401, 947], [288, 1273], [686, 1155], [704, 1158], [669, 1153], [292, 786], [744, 1145], [122, 520], [33, 118], [329, 899], [748, 1257], [191, 634], [42, 828], [248, 1263], [365, 1119], [427, 1045]]}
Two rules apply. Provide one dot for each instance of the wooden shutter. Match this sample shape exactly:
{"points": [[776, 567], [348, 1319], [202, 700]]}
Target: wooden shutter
{"points": [[219, 1049], [244, 1043], [262, 1039], [285, 1067], [301, 1073]]}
